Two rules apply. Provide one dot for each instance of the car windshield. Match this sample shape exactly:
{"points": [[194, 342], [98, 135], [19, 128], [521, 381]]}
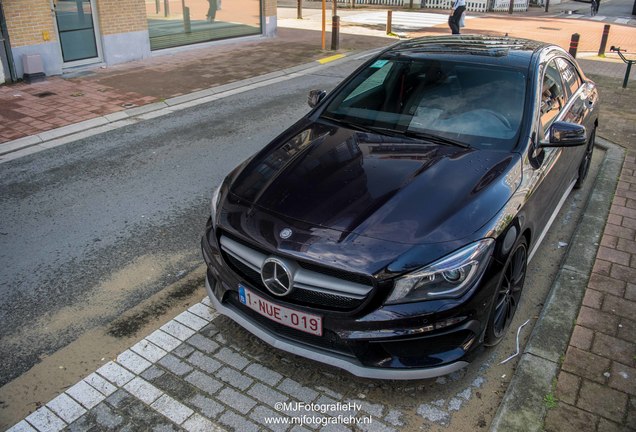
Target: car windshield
{"points": [[468, 104]]}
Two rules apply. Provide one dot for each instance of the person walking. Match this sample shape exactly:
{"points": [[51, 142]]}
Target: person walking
{"points": [[457, 9], [212, 10], [595, 6]]}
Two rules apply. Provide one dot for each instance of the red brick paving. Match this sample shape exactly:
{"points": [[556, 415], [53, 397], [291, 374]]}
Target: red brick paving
{"points": [[596, 387], [28, 109]]}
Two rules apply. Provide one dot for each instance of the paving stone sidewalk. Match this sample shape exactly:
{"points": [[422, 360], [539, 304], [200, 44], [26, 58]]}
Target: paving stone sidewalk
{"points": [[189, 376], [596, 388]]}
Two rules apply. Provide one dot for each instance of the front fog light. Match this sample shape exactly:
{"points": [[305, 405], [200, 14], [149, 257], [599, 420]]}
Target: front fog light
{"points": [[450, 277]]}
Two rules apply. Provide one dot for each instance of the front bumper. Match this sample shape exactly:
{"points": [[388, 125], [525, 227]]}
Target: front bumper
{"points": [[349, 364], [376, 343]]}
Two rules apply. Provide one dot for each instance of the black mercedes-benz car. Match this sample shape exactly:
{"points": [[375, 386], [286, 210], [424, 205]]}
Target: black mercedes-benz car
{"points": [[388, 231]]}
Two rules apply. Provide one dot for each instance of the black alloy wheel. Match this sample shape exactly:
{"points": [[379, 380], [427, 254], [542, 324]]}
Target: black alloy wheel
{"points": [[586, 162], [508, 293]]}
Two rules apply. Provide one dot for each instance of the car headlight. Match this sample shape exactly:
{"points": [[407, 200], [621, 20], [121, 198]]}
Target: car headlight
{"points": [[450, 277], [216, 195]]}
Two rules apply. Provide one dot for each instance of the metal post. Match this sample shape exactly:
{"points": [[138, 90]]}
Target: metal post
{"points": [[324, 24], [601, 50], [299, 10], [574, 44], [547, 5], [166, 8], [389, 18], [335, 33], [157, 7], [512, 7], [335, 27], [629, 69]]}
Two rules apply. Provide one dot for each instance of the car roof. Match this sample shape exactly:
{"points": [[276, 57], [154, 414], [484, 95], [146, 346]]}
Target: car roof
{"points": [[513, 52]]}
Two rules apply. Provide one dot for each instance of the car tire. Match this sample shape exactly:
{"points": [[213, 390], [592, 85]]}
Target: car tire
{"points": [[508, 293], [584, 167]]}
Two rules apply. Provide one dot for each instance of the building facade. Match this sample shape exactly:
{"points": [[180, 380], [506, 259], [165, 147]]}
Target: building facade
{"points": [[69, 33]]}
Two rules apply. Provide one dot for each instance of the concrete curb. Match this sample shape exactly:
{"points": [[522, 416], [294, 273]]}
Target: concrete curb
{"points": [[53, 138], [523, 408]]}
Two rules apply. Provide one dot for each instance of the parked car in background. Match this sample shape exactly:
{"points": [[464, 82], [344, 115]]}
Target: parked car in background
{"points": [[388, 231]]}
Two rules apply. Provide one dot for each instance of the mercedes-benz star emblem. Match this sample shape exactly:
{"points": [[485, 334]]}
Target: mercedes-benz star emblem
{"points": [[277, 276], [285, 233]]}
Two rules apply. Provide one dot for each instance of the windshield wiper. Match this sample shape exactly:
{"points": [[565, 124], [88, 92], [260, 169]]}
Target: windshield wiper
{"points": [[435, 139], [366, 128], [420, 136]]}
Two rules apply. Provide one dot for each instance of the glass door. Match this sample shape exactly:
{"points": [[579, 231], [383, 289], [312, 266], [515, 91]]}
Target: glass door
{"points": [[76, 29]]}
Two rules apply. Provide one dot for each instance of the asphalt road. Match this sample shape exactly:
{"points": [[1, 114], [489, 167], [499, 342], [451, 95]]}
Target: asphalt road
{"points": [[90, 229]]}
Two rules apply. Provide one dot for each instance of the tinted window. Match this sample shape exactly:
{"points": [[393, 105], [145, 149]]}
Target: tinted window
{"points": [[570, 75], [552, 96], [479, 105]]}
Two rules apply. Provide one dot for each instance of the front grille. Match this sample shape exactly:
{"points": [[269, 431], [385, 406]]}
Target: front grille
{"points": [[337, 273], [316, 286], [329, 340], [251, 276]]}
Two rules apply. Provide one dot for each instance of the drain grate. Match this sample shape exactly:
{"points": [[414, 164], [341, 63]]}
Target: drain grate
{"points": [[44, 94]]}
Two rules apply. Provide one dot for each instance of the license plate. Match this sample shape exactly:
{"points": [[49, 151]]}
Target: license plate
{"points": [[291, 318]]}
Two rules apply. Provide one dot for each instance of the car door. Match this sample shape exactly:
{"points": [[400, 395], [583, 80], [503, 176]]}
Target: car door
{"points": [[582, 106], [551, 167]]}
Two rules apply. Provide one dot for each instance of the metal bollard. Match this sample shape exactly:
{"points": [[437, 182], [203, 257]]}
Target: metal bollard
{"points": [[389, 18], [601, 50], [574, 44], [335, 33]]}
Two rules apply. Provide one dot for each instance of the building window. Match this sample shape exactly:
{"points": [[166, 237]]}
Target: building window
{"points": [[174, 23]]}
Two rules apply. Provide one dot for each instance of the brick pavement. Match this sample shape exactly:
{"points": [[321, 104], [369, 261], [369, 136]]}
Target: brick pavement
{"points": [[596, 387]]}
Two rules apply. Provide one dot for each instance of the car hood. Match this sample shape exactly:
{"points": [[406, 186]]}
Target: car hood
{"points": [[381, 187]]}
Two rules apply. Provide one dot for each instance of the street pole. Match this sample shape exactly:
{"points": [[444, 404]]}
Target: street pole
{"points": [[299, 10], [324, 23], [335, 27]]}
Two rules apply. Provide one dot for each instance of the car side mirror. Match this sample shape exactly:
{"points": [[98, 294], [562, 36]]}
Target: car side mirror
{"points": [[564, 134], [315, 96]]}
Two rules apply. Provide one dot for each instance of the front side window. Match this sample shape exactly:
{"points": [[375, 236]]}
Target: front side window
{"points": [[474, 104], [552, 96], [570, 75]]}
